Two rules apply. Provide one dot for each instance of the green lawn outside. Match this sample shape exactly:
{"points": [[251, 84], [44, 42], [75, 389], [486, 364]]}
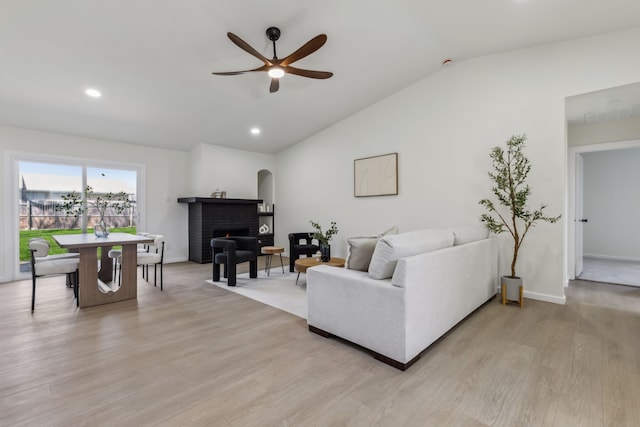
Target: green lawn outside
{"points": [[25, 235]]}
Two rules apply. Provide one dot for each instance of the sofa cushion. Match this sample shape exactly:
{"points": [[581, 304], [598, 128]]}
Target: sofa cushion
{"points": [[469, 234], [391, 248], [360, 249]]}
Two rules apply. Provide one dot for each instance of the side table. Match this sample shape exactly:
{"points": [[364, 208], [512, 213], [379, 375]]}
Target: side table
{"points": [[302, 264], [270, 251]]}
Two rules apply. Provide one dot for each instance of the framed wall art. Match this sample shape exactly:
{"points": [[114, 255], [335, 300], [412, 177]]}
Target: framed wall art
{"points": [[376, 176]]}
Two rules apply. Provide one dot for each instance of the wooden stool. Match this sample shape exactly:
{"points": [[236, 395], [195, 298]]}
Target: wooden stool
{"points": [[269, 251]]}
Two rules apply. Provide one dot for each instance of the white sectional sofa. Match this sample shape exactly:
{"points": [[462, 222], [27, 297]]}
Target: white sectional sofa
{"points": [[417, 286]]}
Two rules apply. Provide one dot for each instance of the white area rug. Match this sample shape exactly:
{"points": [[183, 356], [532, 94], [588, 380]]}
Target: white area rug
{"points": [[278, 290]]}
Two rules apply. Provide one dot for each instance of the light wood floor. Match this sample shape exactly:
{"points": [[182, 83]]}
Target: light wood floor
{"points": [[198, 355]]}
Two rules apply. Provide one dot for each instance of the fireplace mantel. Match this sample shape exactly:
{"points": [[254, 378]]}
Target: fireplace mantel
{"points": [[218, 200], [209, 216]]}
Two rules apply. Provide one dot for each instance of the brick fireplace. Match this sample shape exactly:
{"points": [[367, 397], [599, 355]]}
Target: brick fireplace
{"points": [[214, 217]]}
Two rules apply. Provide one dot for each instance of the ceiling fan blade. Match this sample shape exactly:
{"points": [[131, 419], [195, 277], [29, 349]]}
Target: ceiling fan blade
{"points": [[235, 73], [245, 46], [307, 49], [308, 73], [230, 73], [275, 85]]}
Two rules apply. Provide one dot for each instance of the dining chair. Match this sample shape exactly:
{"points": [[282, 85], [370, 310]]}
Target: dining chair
{"points": [[116, 256], [144, 247], [154, 256], [50, 257], [44, 264]]}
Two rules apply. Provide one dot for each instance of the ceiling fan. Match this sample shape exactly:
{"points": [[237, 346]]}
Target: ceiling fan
{"points": [[277, 68]]}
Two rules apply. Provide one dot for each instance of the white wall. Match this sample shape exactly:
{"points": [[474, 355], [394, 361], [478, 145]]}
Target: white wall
{"points": [[230, 170], [169, 175], [596, 133], [165, 172], [611, 201], [443, 128]]}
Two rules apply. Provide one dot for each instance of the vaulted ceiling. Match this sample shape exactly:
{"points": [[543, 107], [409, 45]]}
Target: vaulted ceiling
{"points": [[152, 60]]}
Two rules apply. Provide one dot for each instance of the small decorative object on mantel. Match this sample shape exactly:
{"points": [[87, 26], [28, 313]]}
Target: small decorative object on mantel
{"points": [[219, 194], [264, 229], [509, 176], [264, 208], [324, 239], [74, 206]]}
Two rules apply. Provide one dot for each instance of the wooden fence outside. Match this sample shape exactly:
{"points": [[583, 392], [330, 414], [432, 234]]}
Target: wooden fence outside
{"points": [[44, 215]]}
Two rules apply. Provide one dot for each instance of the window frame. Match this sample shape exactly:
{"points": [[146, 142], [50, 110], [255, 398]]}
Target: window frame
{"points": [[12, 242]]}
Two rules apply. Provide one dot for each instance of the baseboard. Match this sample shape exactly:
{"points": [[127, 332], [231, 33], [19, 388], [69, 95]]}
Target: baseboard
{"points": [[542, 297], [612, 258], [545, 297], [173, 260]]}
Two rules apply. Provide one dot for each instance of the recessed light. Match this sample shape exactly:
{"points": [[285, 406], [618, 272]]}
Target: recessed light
{"points": [[255, 131], [94, 93]]}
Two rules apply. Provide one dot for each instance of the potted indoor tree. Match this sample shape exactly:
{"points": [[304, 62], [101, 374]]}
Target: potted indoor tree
{"points": [[73, 205], [324, 239], [509, 175]]}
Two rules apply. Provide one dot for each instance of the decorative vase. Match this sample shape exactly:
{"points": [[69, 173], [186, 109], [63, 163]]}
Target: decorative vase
{"points": [[325, 252], [101, 229]]}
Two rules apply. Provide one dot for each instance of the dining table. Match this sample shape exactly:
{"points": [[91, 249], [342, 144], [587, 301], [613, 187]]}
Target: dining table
{"points": [[96, 283]]}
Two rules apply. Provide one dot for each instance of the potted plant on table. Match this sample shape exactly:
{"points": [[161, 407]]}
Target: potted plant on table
{"points": [[509, 175], [324, 239], [73, 205]]}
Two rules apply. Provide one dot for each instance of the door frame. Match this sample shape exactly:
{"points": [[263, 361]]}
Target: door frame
{"points": [[573, 152]]}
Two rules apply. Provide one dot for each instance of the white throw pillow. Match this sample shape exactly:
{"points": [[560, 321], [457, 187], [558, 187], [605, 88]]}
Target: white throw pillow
{"points": [[469, 234], [391, 248], [360, 249]]}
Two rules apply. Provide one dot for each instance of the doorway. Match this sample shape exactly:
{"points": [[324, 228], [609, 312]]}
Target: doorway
{"points": [[604, 235], [599, 122]]}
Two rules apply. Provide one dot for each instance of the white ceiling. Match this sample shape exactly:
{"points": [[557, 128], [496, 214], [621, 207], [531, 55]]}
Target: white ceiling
{"points": [[153, 59]]}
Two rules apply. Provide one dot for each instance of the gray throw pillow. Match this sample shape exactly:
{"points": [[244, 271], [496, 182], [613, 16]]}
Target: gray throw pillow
{"points": [[360, 249]]}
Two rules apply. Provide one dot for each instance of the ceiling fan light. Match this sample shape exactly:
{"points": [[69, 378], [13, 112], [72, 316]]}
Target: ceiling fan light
{"points": [[94, 93], [276, 72]]}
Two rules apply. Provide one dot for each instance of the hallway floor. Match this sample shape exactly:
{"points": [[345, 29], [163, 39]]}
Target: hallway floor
{"points": [[611, 271]]}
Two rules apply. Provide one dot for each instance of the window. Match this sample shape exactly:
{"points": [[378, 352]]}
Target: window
{"points": [[41, 185]]}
